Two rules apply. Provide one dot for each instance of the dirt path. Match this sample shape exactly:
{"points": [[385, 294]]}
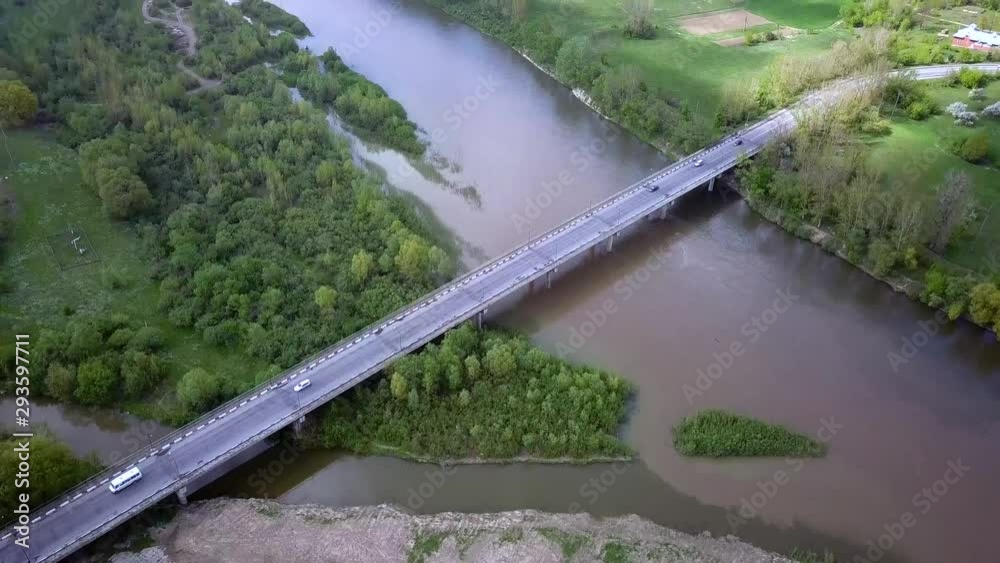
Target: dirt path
{"points": [[180, 25]]}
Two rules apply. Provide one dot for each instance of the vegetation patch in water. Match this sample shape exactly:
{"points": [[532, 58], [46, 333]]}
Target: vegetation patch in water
{"points": [[483, 394], [716, 433]]}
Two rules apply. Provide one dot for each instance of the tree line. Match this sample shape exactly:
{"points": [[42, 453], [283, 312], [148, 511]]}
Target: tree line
{"points": [[821, 176], [481, 393]]}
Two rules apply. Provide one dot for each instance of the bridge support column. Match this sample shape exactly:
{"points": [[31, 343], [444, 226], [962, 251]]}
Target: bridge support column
{"points": [[481, 318], [611, 241], [548, 277], [663, 212], [297, 426], [711, 184], [182, 496]]}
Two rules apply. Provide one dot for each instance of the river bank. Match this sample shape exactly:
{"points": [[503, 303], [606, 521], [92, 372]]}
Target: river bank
{"points": [[824, 239], [251, 530]]}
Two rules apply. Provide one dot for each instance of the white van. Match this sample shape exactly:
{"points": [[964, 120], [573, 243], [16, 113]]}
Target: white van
{"points": [[125, 479]]}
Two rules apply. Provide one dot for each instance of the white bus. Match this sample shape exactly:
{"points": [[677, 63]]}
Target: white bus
{"points": [[125, 479]]}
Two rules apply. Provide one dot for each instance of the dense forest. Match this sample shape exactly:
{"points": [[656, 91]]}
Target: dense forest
{"points": [[260, 231], [481, 393]]}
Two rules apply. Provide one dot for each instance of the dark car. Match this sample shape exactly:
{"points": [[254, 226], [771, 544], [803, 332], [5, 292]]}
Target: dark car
{"points": [[739, 141], [653, 187]]}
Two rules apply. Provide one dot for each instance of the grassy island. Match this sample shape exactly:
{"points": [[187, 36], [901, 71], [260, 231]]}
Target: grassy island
{"points": [[482, 394], [716, 433]]}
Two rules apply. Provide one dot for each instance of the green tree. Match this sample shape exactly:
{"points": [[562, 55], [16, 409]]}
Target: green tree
{"points": [[472, 367], [199, 389], [122, 192], [18, 105], [361, 266], [140, 372], [97, 382], [399, 386], [464, 398], [325, 298], [60, 382], [500, 361], [984, 305], [412, 258]]}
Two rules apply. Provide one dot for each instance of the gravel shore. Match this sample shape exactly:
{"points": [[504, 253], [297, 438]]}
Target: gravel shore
{"points": [[253, 530]]}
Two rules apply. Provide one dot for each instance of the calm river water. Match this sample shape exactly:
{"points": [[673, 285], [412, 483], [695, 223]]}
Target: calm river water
{"points": [[514, 153]]}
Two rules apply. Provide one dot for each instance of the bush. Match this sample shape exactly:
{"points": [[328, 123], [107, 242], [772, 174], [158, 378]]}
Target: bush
{"points": [[920, 110], [957, 108], [973, 148], [97, 381], [971, 77], [977, 94], [716, 433], [992, 110], [199, 390], [966, 118], [884, 257]]}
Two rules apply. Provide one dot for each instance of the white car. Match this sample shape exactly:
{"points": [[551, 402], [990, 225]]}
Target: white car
{"points": [[301, 385], [699, 162]]}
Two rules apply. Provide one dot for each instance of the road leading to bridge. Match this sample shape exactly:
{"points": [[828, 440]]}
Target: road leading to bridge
{"points": [[168, 465]]}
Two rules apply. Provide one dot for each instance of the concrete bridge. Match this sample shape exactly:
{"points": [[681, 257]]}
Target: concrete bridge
{"points": [[179, 462]]}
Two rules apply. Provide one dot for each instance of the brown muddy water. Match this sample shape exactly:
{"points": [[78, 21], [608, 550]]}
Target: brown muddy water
{"points": [[714, 307]]}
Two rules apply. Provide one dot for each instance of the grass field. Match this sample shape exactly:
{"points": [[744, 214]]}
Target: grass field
{"points": [[689, 68], [44, 179], [803, 14], [907, 146]]}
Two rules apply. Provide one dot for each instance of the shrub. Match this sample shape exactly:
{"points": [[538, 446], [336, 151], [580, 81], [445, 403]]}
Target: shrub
{"points": [[956, 108], [971, 77], [966, 118], [97, 381], [199, 390], [884, 257], [920, 110], [977, 94], [992, 110], [716, 433], [974, 147]]}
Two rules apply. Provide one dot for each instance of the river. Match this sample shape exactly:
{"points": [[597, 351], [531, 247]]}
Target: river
{"points": [[513, 153]]}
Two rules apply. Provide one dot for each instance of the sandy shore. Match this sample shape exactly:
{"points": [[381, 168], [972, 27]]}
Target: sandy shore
{"points": [[253, 530]]}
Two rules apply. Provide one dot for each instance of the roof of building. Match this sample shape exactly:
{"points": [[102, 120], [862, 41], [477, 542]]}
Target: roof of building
{"points": [[973, 33]]}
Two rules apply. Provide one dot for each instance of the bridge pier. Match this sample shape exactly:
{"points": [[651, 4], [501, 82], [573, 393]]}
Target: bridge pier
{"points": [[548, 277], [182, 496], [611, 242], [711, 183], [481, 318], [297, 426], [663, 212]]}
